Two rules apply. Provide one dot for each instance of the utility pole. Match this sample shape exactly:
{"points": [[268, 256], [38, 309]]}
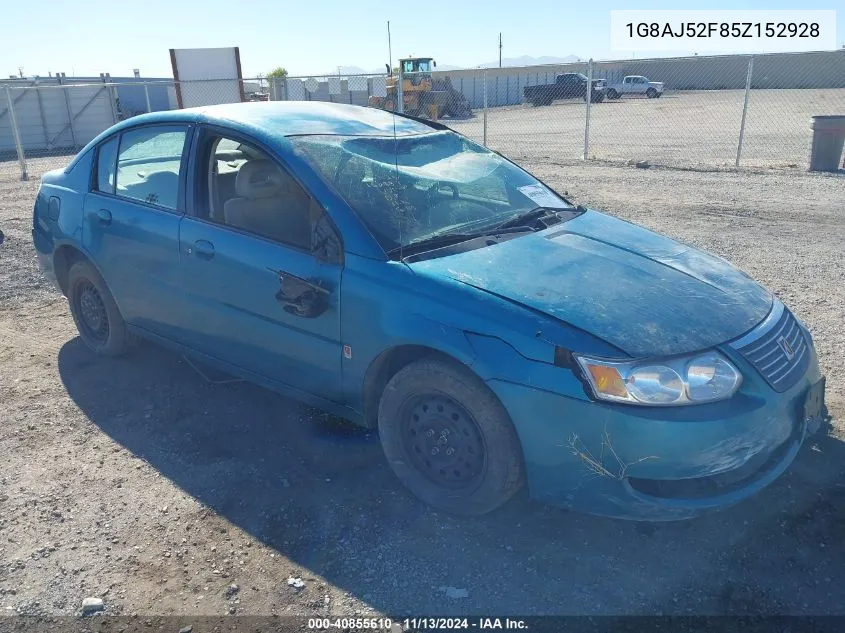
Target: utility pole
{"points": [[500, 50], [389, 47]]}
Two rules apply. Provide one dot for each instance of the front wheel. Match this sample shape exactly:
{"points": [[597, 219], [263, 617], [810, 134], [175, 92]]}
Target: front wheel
{"points": [[97, 318], [651, 93], [449, 439], [612, 94]]}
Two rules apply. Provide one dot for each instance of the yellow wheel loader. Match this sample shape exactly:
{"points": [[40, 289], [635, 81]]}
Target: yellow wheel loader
{"points": [[422, 95]]}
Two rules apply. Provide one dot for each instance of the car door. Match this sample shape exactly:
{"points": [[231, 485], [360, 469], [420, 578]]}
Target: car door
{"points": [[566, 87], [131, 221], [261, 266], [640, 85]]}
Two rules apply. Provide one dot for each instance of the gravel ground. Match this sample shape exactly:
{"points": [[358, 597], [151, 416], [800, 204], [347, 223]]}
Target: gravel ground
{"points": [[136, 481], [682, 129]]}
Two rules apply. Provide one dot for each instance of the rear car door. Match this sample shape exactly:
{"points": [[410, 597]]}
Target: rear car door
{"points": [[640, 85], [131, 221], [261, 267]]}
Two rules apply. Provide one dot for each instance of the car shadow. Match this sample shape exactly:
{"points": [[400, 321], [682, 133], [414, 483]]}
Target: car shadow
{"points": [[321, 493]]}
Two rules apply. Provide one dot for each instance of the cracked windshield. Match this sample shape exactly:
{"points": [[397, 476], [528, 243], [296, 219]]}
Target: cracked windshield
{"points": [[409, 188]]}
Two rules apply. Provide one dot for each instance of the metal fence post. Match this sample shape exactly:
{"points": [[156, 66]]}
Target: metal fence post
{"points": [[744, 110], [110, 94], [16, 134], [588, 100], [147, 96], [400, 93], [485, 108], [65, 89]]}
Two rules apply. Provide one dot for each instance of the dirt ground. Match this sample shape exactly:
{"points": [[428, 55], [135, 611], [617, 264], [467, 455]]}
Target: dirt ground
{"points": [[136, 481], [681, 129]]}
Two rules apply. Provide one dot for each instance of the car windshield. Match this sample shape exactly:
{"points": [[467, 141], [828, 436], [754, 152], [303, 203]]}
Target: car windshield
{"points": [[406, 189]]}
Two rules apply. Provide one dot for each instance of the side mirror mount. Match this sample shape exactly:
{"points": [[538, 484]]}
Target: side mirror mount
{"points": [[387, 68], [434, 63], [1, 237]]}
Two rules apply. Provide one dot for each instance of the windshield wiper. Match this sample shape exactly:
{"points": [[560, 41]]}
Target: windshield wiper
{"points": [[534, 214], [434, 241], [448, 239]]}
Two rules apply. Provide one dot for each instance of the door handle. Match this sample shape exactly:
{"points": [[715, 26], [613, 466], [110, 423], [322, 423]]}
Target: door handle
{"points": [[203, 249], [104, 217]]}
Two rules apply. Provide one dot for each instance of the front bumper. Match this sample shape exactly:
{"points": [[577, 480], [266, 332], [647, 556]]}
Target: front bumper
{"points": [[657, 463]]}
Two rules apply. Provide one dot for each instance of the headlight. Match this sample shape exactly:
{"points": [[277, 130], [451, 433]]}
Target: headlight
{"points": [[685, 380]]}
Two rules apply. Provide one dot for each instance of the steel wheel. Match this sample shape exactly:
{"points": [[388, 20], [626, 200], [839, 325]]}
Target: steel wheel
{"points": [[92, 310], [443, 441], [448, 438]]}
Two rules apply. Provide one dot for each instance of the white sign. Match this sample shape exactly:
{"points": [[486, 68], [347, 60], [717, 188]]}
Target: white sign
{"points": [[723, 31], [295, 90], [379, 86], [207, 76], [542, 197], [357, 83]]}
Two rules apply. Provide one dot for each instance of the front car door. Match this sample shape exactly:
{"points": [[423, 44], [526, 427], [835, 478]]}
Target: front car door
{"points": [[567, 86], [261, 267], [131, 221]]}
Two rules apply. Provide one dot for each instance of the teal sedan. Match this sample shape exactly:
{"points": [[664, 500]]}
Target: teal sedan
{"points": [[403, 277]]}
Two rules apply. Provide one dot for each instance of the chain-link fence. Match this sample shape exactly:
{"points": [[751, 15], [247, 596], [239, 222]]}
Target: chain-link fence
{"points": [[44, 122], [351, 89], [694, 112]]}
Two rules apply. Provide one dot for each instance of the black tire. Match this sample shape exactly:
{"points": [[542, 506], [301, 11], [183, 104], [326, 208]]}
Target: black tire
{"points": [[612, 94], [98, 320], [651, 93], [432, 402]]}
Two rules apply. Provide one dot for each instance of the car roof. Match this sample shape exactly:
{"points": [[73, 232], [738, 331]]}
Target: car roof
{"points": [[292, 118]]}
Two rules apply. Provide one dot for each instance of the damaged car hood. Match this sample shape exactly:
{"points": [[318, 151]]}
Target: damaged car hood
{"points": [[641, 292]]}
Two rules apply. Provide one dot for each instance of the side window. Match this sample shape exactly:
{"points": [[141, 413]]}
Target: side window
{"points": [[106, 155], [250, 191], [149, 163]]}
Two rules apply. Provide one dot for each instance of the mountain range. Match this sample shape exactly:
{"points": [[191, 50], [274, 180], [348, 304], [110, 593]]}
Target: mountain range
{"points": [[507, 62]]}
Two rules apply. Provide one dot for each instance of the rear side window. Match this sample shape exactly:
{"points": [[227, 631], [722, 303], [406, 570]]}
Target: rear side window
{"points": [[149, 165], [106, 155]]}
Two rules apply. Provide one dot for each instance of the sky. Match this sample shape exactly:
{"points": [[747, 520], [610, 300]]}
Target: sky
{"points": [[94, 36]]}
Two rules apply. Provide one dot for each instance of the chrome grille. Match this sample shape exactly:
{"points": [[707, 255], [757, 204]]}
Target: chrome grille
{"points": [[779, 350]]}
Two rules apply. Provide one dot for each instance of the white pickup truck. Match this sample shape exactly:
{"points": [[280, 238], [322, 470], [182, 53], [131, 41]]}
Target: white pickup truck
{"points": [[635, 85]]}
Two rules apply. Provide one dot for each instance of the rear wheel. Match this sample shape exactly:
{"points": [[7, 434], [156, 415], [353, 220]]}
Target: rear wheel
{"points": [[97, 318], [449, 439], [612, 94]]}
